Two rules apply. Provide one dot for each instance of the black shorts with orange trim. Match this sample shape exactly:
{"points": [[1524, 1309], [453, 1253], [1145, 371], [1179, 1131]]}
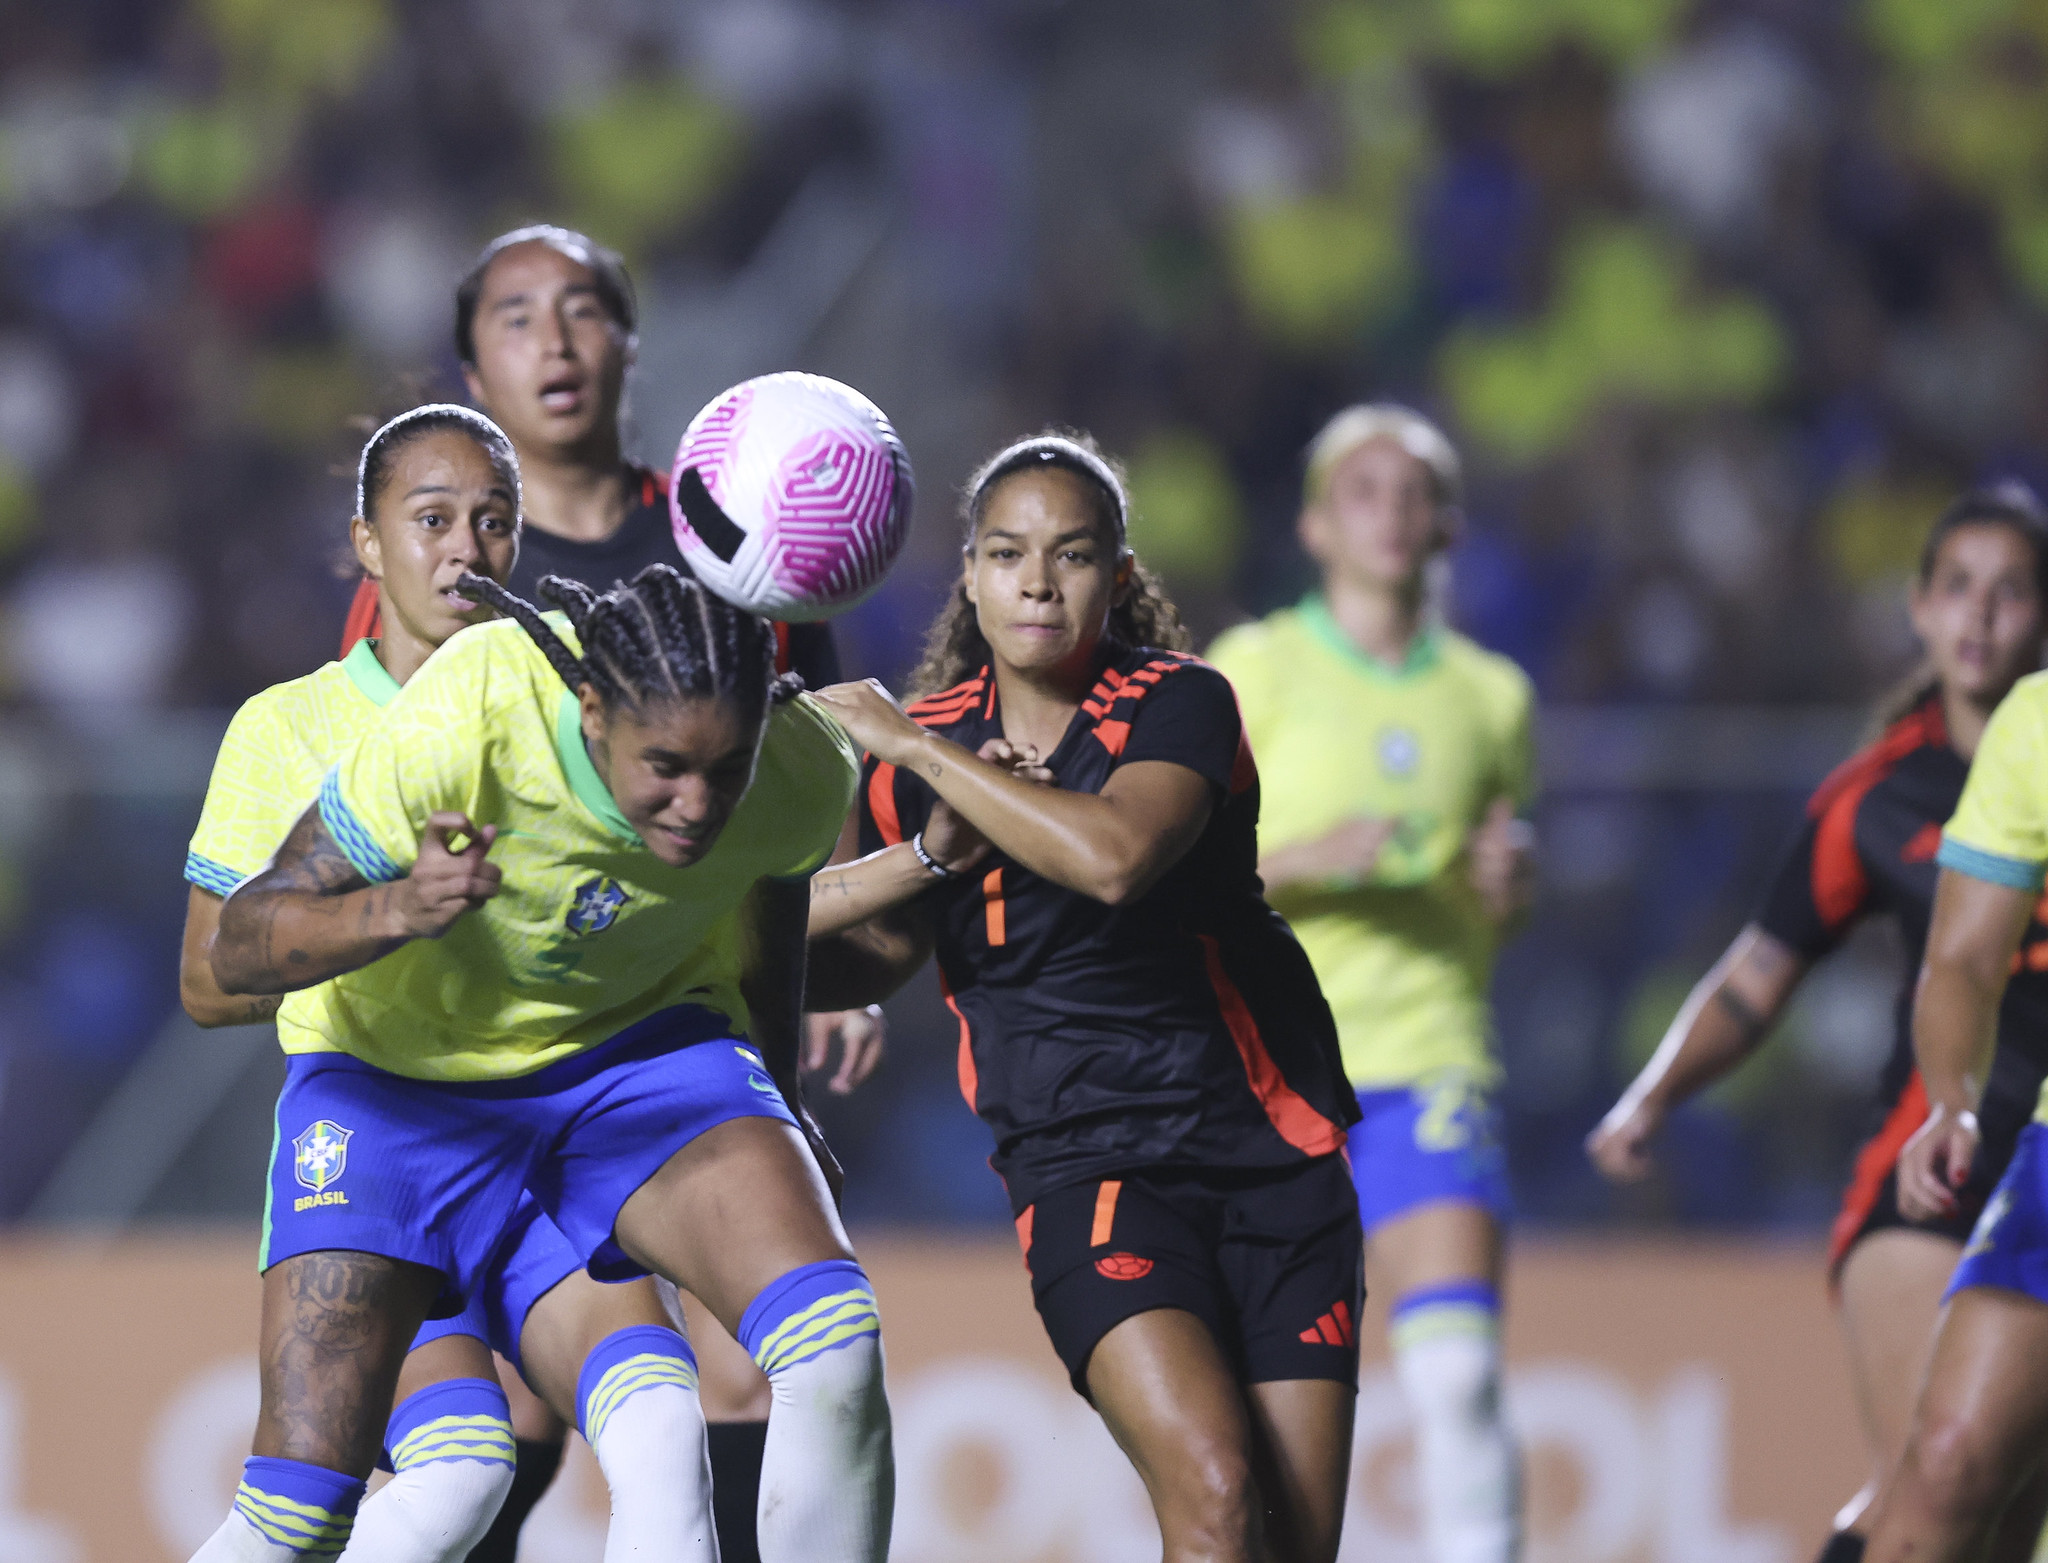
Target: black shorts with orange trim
{"points": [[1269, 1258], [1871, 1202]]}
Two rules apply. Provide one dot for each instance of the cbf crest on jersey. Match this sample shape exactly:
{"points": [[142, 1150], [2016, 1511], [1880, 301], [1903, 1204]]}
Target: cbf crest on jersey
{"points": [[1399, 753], [596, 905], [321, 1154]]}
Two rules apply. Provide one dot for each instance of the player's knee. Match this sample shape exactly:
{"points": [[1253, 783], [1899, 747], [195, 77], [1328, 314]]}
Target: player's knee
{"points": [[453, 1440], [1952, 1465], [1214, 1499], [817, 1334], [636, 1364]]}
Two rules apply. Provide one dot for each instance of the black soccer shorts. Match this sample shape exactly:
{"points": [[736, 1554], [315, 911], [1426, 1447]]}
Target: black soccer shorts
{"points": [[1268, 1258]]}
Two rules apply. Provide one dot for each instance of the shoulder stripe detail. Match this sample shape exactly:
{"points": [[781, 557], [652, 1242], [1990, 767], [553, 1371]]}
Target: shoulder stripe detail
{"points": [[882, 804], [211, 876], [1917, 729], [1840, 882], [1114, 686], [967, 691], [1991, 867], [352, 836]]}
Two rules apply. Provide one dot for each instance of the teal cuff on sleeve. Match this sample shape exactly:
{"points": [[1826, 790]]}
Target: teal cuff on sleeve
{"points": [[352, 836], [2014, 873], [211, 876]]}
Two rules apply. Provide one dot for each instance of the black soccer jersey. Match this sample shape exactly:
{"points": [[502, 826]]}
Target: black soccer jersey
{"points": [[1867, 847], [647, 537], [1183, 1028]]}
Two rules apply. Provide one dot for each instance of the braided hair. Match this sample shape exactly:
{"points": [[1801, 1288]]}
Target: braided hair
{"points": [[656, 638]]}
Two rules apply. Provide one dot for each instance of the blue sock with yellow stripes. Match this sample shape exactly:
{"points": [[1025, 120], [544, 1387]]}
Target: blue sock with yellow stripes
{"points": [[285, 1509], [828, 1478], [450, 1449], [637, 1408]]}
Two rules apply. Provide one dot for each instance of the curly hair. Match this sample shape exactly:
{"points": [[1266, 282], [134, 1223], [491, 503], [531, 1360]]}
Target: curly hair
{"points": [[954, 646]]}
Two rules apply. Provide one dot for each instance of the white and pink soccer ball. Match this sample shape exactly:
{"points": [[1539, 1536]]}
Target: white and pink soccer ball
{"points": [[790, 496]]}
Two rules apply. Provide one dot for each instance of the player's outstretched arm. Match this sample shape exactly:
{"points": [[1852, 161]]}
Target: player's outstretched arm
{"points": [[200, 994], [1726, 1015], [772, 921], [311, 915], [1113, 845], [1971, 942]]}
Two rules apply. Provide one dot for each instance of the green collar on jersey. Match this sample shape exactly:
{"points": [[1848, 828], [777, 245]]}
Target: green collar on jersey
{"points": [[1424, 651], [368, 674], [584, 781]]}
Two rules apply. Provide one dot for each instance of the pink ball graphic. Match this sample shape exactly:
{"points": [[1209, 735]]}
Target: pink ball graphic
{"points": [[791, 496]]}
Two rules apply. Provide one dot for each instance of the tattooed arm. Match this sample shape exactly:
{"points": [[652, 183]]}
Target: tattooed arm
{"points": [[201, 995], [311, 916]]}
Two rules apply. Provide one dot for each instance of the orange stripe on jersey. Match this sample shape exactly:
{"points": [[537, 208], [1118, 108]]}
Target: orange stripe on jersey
{"points": [[1922, 848], [992, 897], [882, 804], [1877, 1158], [1839, 880], [970, 1081], [1112, 735], [1105, 1211], [1299, 1124], [1024, 1233], [362, 622], [781, 647]]}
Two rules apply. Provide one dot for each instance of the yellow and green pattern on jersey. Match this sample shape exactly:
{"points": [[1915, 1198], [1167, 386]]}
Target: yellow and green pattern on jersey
{"points": [[276, 750], [1405, 957], [590, 931], [1999, 832]]}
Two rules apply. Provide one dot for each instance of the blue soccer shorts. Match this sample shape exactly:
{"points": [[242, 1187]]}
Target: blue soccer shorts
{"points": [[1436, 1140], [429, 1171], [532, 1259], [2009, 1246]]}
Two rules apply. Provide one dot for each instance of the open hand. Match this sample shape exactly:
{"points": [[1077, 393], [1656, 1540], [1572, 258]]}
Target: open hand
{"points": [[445, 883], [861, 1034]]}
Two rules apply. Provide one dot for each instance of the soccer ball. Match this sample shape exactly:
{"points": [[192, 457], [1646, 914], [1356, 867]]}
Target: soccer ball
{"points": [[790, 496]]}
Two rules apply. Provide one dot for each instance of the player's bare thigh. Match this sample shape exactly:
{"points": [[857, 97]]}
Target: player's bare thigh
{"points": [[1891, 1286], [569, 1321], [739, 1206]]}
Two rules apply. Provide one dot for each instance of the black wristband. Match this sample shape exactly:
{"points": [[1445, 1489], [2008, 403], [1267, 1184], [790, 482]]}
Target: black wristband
{"points": [[932, 865]]}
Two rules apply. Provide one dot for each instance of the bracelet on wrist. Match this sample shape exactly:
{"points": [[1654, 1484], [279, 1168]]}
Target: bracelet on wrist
{"points": [[932, 865]]}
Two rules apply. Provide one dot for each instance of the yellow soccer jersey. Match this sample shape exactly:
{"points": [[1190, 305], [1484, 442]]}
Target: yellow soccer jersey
{"points": [[590, 932], [2000, 829], [270, 763], [1404, 958]]}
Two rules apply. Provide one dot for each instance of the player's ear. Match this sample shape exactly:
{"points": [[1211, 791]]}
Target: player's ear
{"points": [[369, 551], [475, 386], [1312, 528], [1126, 577], [595, 728], [1450, 527], [967, 576]]}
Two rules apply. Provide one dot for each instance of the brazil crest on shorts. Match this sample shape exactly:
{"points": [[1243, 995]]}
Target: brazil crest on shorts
{"points": [[320, 1157]]}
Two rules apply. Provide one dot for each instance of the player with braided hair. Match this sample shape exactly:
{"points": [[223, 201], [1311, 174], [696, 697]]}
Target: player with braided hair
{"points": [[552, 939], [437, 493]]}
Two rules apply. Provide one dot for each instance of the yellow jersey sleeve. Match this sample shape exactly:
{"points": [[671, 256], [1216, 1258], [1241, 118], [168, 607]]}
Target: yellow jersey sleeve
{"points": [[2000, 829], [429, 752], [253, 798], [811, 770], [1244, 655], [1516, 708]]}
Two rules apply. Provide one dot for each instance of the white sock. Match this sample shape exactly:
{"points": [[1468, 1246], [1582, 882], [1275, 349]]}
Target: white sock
{"points": [[285, 1510], [452, 1454], [828, 1476], [1447, 1357], [432, 1513], [657, 1464], [637, 1407]]}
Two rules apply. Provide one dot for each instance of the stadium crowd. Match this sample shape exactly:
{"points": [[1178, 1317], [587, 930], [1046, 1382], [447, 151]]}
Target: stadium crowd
{"points": [[1721, 300]]}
